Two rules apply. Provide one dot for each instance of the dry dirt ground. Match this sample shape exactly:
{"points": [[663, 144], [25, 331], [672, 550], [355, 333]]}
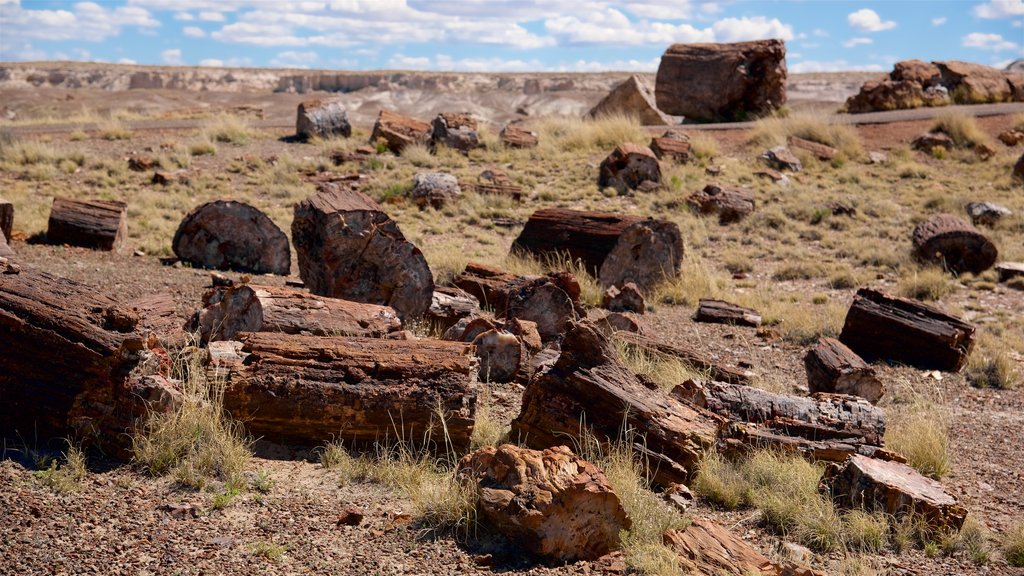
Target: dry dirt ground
{"points": [[119, 521]]}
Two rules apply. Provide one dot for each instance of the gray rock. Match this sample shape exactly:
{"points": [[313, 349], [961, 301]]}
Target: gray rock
{"points": [[434, 189], [986, 213]]}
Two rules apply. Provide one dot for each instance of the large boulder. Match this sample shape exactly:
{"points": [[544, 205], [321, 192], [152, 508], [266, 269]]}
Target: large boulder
{"points": [[323, 119], [554, 504], [913, 84], [715, 82], [633, 97]]}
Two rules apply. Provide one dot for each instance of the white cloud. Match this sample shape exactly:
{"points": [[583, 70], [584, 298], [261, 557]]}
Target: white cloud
{"points": [[868, 20], [126, 61], [194, 32], [983, 41], [293, 59], [939, 21], [679, 10], [820, 33], [853, 42], [756, 28], [999, 9], [172, 57], [210, 16], [403, 62], [212, 63], [258, 34], [613, 27], [184, 16], [85, 21]]}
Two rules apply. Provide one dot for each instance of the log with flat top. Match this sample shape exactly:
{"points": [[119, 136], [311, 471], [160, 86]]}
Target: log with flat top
{"points": [[722, 312], [309, 390], [101, 224], [834, 368], [615, 248]]}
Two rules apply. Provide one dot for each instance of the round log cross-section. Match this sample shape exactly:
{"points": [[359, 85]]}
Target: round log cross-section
{"points": [[954, 244], [229, 235]]}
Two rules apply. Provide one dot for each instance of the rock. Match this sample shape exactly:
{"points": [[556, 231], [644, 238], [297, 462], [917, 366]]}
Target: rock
{"points": [[6, 218], [721, 312], [434, 189], [448, 305], [398, 131], [322, 118], [986, 213], [633, 97], [773, 175], [106, 416], [932, 140], [1011, 137], [679, 496], [616, 321], [914, 83], [878, 157], [673, 146], [501, 355], [551, 502], [835, 369], [164, 178], [99, 224], [950, 242], [1018, 170], [351, 516], [713, 82], [781, 158], [515, 136], [890, 95], [731, 205], [892, 487], [625, 299], [817, 149], [1009, 270], [705, 547], [796, 553], [229, 235], [5, 250], [917, 71], [629, 166], [983, 151], [971, 83], [140, 163], [456, 131]]}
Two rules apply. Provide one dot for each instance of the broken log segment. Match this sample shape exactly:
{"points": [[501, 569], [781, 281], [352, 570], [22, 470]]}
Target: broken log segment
{"points": [[322, 119], [588, 389], [722, 312], [698, 360], [230, 235], [614, 248], [816, 149], [448, 305], [629, 167], [835, 369], [232, 310], [954, 244], [6, 219], [308, 390], [514, 136], [349, 248], [883, 327], [731, 205], [100, 224], [398, 131], [706, 547]]}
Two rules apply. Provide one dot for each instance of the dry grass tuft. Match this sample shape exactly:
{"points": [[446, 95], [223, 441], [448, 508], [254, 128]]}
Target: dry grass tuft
{"points": [[487, 430], [67, 477], [866, 532], [776, 131], [990, 365], [919, 433], [925, 284], [563, 133], [229, 129], [667, 371], [721, 482], [113, 129], [1013, 546], [962, 128], [696, 280], [524, 264]]}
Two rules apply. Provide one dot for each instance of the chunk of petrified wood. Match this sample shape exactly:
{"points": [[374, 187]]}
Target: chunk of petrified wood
{"points": [[448, 305], [834, 368], [56, 341], [231, 310], [167, 178], [588, 389], [555, 504], [514, 136], [817, 149], [883, 327], [349, 248], [730, 204], [625, 299], [894, 488], [722, 312], [628, 167], [706, 547], [230, 235], [986, 213], [5, 250], [781, 158], [159, 317], [6, 218], [101, 224], [1017, 175], [615, 248], [673, 146], [1009, 270], [309, 390], [322, 118], [398, 131], [501, 355], [551, 300], [455, 130], [699, 360], [954, 244]]}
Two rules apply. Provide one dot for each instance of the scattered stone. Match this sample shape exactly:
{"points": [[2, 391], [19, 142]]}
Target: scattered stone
{"points": [[1010, 270], [954, 244], [351, 516], [679, 496], [628, 166], [165, 178], [876, 157], [817, 149], [673, 146], [713, 171], [705, 547], [617, 321], [986, 213], [515, 136], [835, 369], [721, 312], [456, 131], [796, 553], [1011, 137], [180, 511], [556, 505], [931, 140], [773, 175], [496, 182], [229, 235], [781, 158], [837, 208], [632, 97], [398, 131], [434, 189], [322, 118], [140, 163], [730, 204], [625, 299]]}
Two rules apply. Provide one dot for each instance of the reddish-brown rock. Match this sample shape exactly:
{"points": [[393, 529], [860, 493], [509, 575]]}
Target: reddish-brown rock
{"points": [[722, 312], [456, 131], [705, 547], [730, 204], [100, 224], [914, 83], [632, 97], [816, 149], [229, 235], [629, 167], [398, 131], [832, 367], [515, 136], [954, 244], [625, 299], [551, 502], [6, 218], [673, 146]]}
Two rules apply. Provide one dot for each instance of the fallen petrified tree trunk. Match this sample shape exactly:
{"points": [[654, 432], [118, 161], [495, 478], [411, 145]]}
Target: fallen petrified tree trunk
{"points": [[834, 368], [731, 205], [229, 235], [722, 312], [588, 390], [514, 136], [398, 131], [349, 248], [700, 361], [705, 547], [615, 248], [312, 389], [98, 224], [883, 327], [230, 311], [954, 244]]}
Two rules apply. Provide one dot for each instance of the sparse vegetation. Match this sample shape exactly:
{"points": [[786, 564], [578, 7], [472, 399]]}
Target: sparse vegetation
{"points": [[66, 476], [775, 131], [926, 284], [962, 128], [919, 433], [228, 129], [990, 365], [1013, 545]]}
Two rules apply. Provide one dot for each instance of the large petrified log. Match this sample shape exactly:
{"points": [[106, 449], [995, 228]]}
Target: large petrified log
{"points": [[731, 205], [230, 235], [555, 504], [953, 243], [398, 131], [323, 119], [883, 327], [673, 146], [835, 369], [309, 390], [551, 300], [705, 547], [6, 218], [630, 167], [699, 360], [587, 389], [349, 248], [894, 488], [722, 312], [247, 308], [614, 248], [101, 224]]}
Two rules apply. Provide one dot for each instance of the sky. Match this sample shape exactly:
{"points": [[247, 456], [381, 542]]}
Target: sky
{"points": [[504, 35]]}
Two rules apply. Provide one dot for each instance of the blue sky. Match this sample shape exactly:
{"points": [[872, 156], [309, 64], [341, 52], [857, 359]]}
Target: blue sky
{"points": [[499, 35]]}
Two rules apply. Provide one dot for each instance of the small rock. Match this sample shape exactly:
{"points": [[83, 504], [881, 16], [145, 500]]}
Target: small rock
{"points": [[434, 189], [617, 321], [931, 140], [180, 510], [1006, 270], [878, 158], [140, 163], [713, 170], [1011, 137], [781, 158], [350, 516], [679, 496], [625, 299], [796, 553], [986, 213], [774, 176]]}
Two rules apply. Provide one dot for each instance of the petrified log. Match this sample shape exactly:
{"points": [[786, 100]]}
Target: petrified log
{"points": [[229, 235], [501, 355], [448, 305], [230, 311], [498, 189], [722, 312], [817, 149], [158, 316], [699, 360], [588, 389], [629, 167], [986, 213], [312, 389], [140, 163], [954, 244], [671, 146], [101, 224], [58, 339], [883, 327], [705, 547], [614, 248], [514, 136], [398, 131], [349, 248], [551, 300], [730, 204], [894, 488], [553, 503], [323, 119], [456, 131], [167, 178], [632, 97], [835, 369], [781, 158], [5, 250], [6, 218], [626, 299]]}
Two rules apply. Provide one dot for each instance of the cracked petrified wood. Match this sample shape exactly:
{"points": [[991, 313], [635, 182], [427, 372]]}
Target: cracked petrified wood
{"points": [[100, 224], [705, 547], [722, 312], [629, 167], [309, 390], [954, 244], [398, 131], [729, 204], [230, 235], [834, 368], [322, 118]]}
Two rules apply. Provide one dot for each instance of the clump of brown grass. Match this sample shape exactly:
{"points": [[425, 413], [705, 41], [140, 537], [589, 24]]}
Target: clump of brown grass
{"points": [[487, 430], [962, 128], [667, 371], [1013, 546], [695, 281], [228, 129], [563, 133], [775, 131], [919, 433], [64, 477], [525, 264], [925, 284], [113, 128], [990, 365]]}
